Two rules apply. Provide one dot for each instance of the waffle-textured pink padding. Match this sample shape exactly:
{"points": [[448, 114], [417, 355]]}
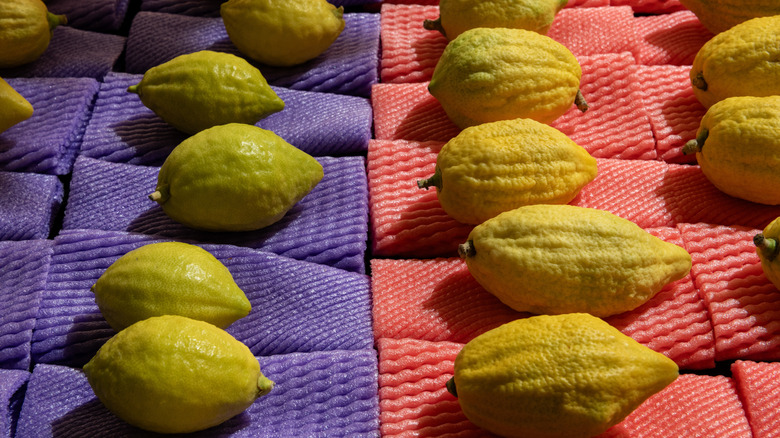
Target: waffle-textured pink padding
{"points": [[572, 3], [758, 384], [691, 406], [650, 6], [409, 52], [674, 111], [743, 304], [669, 39], [593, 31], [409, 112]]}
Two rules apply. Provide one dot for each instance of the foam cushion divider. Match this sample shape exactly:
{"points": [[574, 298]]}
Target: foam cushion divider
{"points": [[348, 66], [29, 205], [316, 394], [105, 16], [12, 389], [758, 384]]}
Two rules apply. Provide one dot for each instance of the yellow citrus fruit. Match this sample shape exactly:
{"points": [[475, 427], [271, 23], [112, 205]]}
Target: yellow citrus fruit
{"points": [[14, 108], [169, 278], [234, 177], [199, 90], [721, 15], [458, 16], [741, 61], [498, 166], [173, 374], [25, 31], [562, 376], [292, 31], [490, 74], [768, 248], [552, 259], [738, 149]]}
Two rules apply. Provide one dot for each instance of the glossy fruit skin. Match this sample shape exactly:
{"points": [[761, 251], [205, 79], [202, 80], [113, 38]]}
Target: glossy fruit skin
{"points": [[196, 91], [498, 166], [741, 61], [293, 31], [234, 177], [768, 248], [25, 31], [169, 278], [562, 376], [14, 108], [738, 148], [172, 374], [553, 259], [490, 74], [721, 15]]}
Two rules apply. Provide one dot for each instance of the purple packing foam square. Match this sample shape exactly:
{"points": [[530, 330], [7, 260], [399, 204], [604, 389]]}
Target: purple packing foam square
{"points": [[328, 226], [123, 130], [349, 66], [12, 387], [316, 394], [48, 141], [296, 306], [95, 15], [29, 203], [73, 53]]}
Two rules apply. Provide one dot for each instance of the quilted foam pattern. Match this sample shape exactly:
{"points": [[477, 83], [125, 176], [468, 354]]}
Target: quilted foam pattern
{"points": [[96, 15], [11, 395], [328, 226], [669, 39], [316, 393], [296, 306], [48, 141], [348, 66], [29, 204], [757, 383], [22, 280]]}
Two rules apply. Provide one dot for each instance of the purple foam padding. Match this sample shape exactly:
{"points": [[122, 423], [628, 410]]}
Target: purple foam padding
{"points": [[328, 226], [296, 306], [12, 389], [210, 8], [123, 130], [25, 266], [349, 66], [48, 141], [317, 394], [73, 53], [29, 203], [95, 15]]}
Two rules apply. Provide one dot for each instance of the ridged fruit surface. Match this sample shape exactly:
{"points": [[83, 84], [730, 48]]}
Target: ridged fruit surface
{"points": [[721, 15], [563, 376], [172, 374], [196, 91], [498, 166], [25, 31], [552, 259], [490, 74], [768, 248], [169, 278], [14, 108], [738, 148], [742, 61]]}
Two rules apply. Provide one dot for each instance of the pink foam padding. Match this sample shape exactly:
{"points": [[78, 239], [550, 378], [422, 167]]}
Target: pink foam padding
{"points": [[650, 6], [743, 304], [409, 112], [669, 39], [758, 384], [571, 4], [593, 31], [674, 111], [692, 405]]}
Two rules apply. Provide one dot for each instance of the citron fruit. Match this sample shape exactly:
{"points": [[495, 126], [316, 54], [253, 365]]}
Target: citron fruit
{"points": [[738, 149], [498, 166], [199, 90], [14, 108], [458, 16], [169, 278], [741, 61], [25, 31], [234, 177], [721, 15], [768, 248], [291, 31], [173, 374], [562, 376], [553, 259], [490, 74]]}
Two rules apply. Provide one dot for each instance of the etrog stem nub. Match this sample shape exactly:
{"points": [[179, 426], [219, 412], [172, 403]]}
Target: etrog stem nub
{"points": [[579, 101], [467, 249], [434, 25], [767, 246], [451, 387], [433, 181], [264, 385]]}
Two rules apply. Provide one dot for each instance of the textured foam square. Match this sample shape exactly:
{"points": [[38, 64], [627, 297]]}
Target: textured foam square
{"points": [[123, 130], [590, 31], [329, 225], [650, 6], [105, 16], [316, 394], [296, 306], [74, 53], [349, 66], [12, 388], [49, 140], [744, 305], [22, 280], [669, 39], [29, 205], [758, 384]]}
